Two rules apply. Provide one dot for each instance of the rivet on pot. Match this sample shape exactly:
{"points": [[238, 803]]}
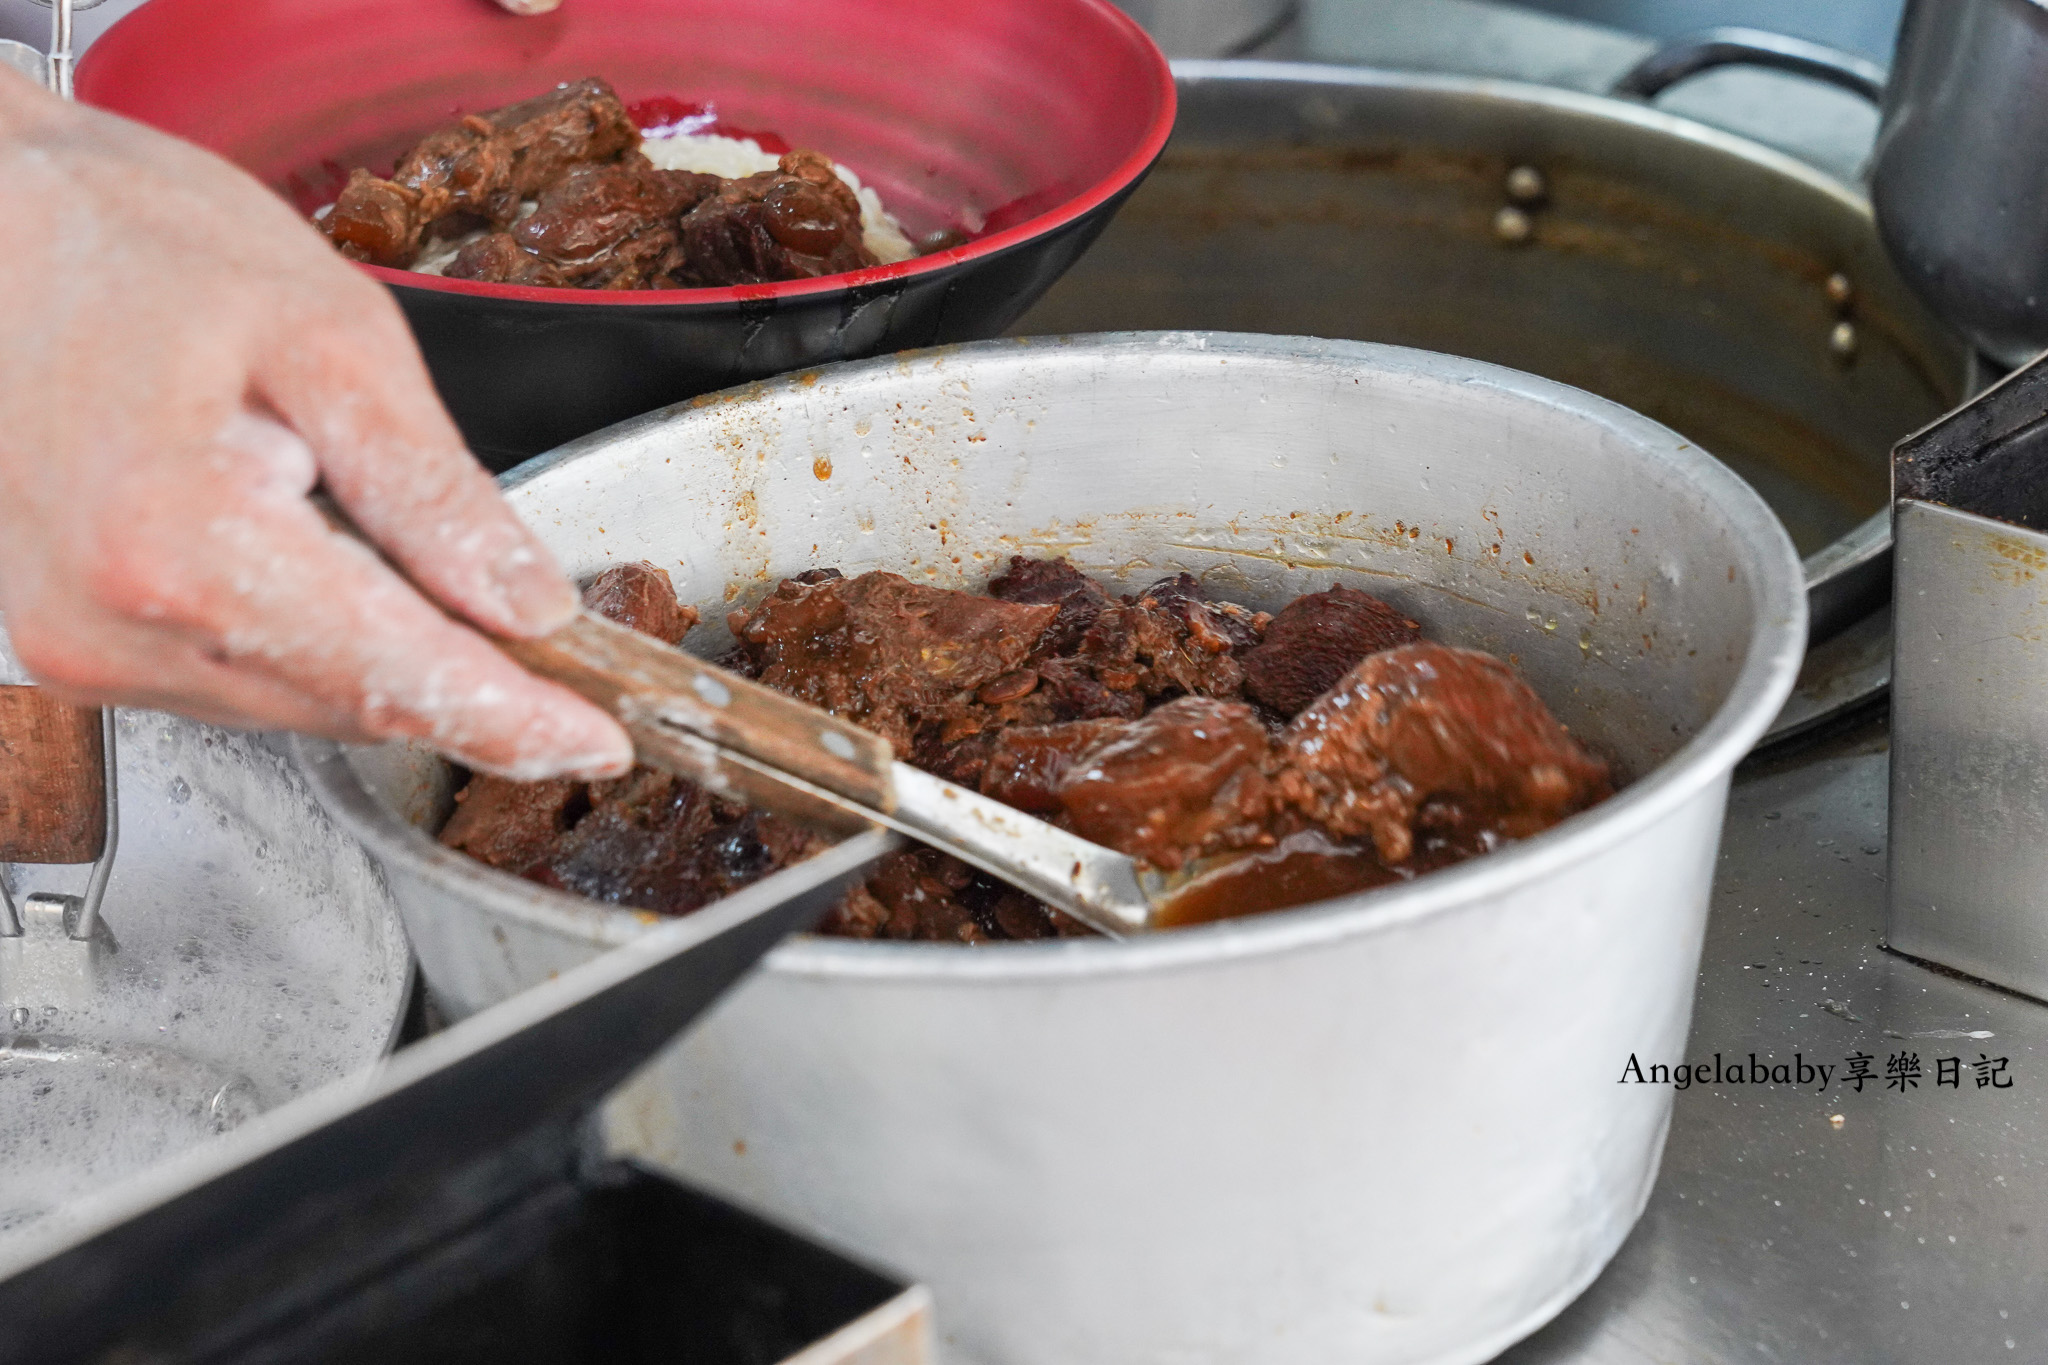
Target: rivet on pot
{"points": [[1512, 226], [1842, 340], [1525, 185], [1840, 291]]}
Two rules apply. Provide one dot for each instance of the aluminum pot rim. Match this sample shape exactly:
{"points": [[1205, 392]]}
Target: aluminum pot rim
{"points": [[1642, 116], [1774, 650]]}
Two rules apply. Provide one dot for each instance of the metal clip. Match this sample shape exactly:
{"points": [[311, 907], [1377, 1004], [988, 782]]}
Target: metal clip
{"points": [[50, 943], [53, 68]]}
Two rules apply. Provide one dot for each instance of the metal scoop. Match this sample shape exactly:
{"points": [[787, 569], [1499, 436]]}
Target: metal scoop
{"points": [[754, 744]]}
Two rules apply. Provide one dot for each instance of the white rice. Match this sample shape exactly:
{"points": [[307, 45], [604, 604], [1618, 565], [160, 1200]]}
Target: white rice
{"points": [[732, 158]]}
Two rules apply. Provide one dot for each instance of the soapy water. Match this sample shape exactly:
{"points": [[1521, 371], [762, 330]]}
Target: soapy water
{"points": [[102, 1111], [258, 956]]}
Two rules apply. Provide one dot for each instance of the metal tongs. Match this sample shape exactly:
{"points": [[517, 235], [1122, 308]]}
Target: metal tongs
{"points": [[53, 68], [754, 744]]}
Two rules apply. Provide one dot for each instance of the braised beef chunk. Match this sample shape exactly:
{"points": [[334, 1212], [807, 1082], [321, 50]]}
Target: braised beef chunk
{"points": [[1038, 581], [640, 595], [499, 259], [888, 653], [1315, 640], [1215, 626], [510, 825], [1150, 650], [923, 894], [1427, 741], [1128, 732], [482, 165], [795, 223], [611, 225], [1185, 780], [637, 847], [1025, 764], [375, 221]]}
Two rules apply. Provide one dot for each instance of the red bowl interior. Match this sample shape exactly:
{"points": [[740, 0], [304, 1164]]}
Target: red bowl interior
{"points": [[1007, 116]]}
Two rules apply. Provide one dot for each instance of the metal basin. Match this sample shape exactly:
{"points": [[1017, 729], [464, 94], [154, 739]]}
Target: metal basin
{"points": [[258, 957], [1674, 268], [1380, 1129]]}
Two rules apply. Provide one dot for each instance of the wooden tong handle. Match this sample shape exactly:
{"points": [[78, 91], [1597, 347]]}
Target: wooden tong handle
{"points": [[53, 791], [651, 687]]}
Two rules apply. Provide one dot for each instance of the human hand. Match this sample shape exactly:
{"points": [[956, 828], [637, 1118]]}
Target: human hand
{"points": [[183, 361]]}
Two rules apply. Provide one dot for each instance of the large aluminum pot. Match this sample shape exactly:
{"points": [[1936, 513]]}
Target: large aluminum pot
{"points": [[1959, 180], [1381, 1129]]}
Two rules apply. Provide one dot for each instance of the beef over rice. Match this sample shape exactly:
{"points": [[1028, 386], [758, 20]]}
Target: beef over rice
{"points": [[563, 191]]}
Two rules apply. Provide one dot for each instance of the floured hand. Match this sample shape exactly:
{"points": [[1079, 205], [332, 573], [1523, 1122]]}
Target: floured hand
{"points": [[182, 362]]}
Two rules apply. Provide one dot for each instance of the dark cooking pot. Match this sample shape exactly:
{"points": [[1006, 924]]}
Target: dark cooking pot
{"points": [[1725, 289], [1028, 121], [1959, 178]]}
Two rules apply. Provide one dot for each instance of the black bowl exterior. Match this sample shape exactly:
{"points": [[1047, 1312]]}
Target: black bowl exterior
{"points": [[522, 377]]}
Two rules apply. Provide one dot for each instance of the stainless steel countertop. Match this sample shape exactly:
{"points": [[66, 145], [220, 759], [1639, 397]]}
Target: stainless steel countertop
{"points": [[1913, 1231]]}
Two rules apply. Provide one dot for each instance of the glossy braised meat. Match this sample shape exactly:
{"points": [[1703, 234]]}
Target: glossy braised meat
{"points": [[1119, 719], [607, 226], [1038, 581], [794, 223], [1315, 640], [1432, 743], [645, 841], [1182, 781], [642, 597], [480, 167], [897, 657], [597, 213]]}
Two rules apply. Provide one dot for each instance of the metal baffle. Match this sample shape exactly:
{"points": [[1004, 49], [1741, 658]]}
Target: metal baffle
{"points": [[1969, 770]]}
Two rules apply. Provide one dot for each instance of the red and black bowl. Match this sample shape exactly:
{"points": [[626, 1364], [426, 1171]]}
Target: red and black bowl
{"points": [[1023, 123]]}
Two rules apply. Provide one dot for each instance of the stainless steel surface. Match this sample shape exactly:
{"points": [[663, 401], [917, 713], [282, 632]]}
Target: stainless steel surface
{"points": [[1306, 1114], [1688, 56], [1210, 28], [255, 948], [1960, 187], [1685, 272], [1970, 705], [1850, 577], [1909, 1233], [1970, 757], [1846, 671]]}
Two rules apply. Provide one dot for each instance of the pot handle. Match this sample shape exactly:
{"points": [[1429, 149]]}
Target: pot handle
{"points": [[1686, 57], [56, 795]]}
